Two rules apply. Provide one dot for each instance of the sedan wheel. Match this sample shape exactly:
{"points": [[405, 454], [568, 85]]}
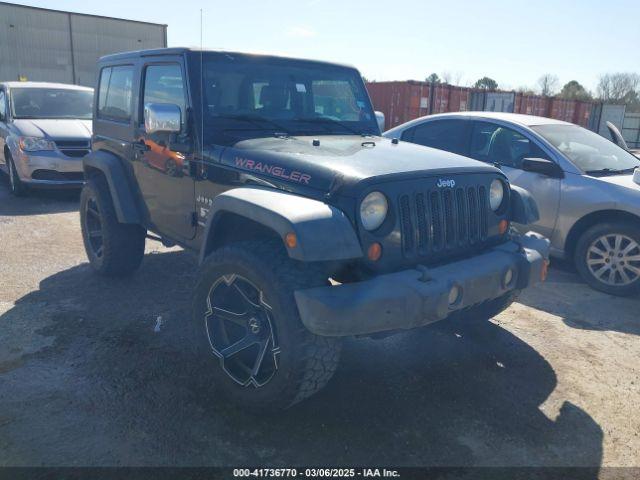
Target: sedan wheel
{"points": [[607, 256], [614, 259]]}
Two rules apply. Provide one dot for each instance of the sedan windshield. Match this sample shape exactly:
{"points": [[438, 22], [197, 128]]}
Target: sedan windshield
{"points": [[245, 97], [42, 103], [588, 150]]}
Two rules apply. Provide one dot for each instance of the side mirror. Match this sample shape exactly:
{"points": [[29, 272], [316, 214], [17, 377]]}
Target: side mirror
{"points": [[380, 120], [617, 137], [542, 166], [161, 117]]}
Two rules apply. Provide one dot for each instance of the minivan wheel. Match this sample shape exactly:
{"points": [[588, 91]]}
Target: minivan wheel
{"points": [[608, 258], [246, 324], [18, 188]]}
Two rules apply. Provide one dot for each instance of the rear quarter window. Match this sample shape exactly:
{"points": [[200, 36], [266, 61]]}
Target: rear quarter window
{"points": [[114, 93]]}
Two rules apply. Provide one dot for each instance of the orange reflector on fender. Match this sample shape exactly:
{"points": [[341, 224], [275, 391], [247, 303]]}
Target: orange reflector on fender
{"points": [[503, 226], [291, 240]]}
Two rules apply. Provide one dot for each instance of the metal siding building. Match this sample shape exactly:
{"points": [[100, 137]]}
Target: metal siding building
{"points": [[55, 46]]}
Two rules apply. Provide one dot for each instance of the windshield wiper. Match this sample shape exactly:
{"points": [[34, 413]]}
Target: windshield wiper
{"points": [[328, 121], [256, 119], [610, 171]]}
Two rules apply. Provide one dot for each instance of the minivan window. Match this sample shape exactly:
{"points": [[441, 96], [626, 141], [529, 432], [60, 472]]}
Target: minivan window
{"points": [[448, 135], [164, 84], [3, 105], [493, 143], [114, 94], [51, 103]]}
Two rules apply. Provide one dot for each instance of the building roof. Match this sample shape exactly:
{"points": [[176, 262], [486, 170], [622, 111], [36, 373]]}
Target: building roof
{"points": [[81, 14], [64, 86]]}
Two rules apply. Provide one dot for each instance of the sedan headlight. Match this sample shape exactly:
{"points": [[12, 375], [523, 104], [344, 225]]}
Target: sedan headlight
{"points": [[373, 210], [34, 144], [496, 194]]}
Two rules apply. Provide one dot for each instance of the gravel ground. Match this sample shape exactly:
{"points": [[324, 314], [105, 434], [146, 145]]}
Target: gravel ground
{"points": [[84, 380]]}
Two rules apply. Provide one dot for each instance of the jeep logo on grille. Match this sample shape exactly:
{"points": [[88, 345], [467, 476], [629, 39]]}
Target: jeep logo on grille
{"points": [[446, 183]]}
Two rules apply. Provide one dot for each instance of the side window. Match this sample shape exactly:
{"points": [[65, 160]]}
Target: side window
{"points": [[407, 135], [164, 84], [3, 106], [497, 144], [448, 135], [114, 94]]}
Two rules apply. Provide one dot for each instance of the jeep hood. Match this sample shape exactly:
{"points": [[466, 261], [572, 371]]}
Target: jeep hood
{"points": [[347, 159], [54, 128]]}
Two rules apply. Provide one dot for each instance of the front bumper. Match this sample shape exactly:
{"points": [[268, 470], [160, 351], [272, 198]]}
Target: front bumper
{"points": [[417, 297], [28, 165]]}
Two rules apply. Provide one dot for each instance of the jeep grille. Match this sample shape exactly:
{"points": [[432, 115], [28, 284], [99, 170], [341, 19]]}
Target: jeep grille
{"points": [[443, 220]]}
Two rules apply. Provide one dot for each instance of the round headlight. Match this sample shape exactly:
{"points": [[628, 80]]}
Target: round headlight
{"points": [[373, 210], [496, 194]]}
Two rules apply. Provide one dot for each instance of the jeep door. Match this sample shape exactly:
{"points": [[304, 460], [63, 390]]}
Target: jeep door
{"points": [[163, 172], [507, 147]]}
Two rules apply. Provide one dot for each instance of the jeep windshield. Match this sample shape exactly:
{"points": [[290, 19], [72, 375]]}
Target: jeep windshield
{"points": [[248, 97], [592, 153], [51, 103]]}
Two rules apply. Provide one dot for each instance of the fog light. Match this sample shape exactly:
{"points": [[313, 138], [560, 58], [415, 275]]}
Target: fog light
{"points": [[374, 252], [455, 295], [508, 278]]}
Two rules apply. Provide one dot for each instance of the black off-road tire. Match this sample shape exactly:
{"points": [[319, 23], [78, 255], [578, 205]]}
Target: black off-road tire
{"points": [[122, 245], [305, 361], [16, 186], [629, 230]]}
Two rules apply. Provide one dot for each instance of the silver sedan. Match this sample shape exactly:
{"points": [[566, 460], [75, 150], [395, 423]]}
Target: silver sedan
{"points": [[45, 130], [587, 188]]}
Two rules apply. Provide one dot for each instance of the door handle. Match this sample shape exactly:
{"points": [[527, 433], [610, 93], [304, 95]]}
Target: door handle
{"points": [[141, 146]]}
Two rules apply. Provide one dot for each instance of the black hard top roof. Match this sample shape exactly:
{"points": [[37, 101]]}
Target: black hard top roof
{"points": [[184, 50]]}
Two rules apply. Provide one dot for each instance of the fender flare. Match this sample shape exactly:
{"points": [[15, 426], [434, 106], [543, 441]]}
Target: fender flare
{"points": [[324, 233], [124, 200], [524, 208]]}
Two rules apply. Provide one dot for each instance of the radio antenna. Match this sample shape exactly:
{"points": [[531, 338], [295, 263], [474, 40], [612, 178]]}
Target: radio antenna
{"points": [[201, 91]]}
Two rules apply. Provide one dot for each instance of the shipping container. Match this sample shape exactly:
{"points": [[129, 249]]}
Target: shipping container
{"points": [[402, 101], [39, 44]]}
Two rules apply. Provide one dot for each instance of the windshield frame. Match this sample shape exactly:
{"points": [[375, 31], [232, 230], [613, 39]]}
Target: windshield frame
{"points": [[539, 130], [246, 128], [15, 116]]}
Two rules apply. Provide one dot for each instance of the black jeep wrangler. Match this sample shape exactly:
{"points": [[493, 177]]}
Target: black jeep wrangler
{"points": [[309, 225]]}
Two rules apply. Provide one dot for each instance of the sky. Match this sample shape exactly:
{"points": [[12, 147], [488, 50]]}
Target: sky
{"points": [[511, 41]]}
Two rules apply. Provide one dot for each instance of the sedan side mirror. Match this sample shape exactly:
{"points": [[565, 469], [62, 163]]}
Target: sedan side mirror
{"points": [[380, 120], [162, 117], [542, 166]]}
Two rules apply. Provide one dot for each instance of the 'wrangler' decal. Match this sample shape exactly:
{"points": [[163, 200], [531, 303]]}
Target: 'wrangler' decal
{"points": [[273, 170]]}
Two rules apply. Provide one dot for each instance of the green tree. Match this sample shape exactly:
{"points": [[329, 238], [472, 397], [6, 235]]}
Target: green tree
{"points": [[486, 83], [573, 90], [433, 78]]}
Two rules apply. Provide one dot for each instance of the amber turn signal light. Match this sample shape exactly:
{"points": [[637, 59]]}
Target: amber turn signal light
{"points": [[291, 240], [503, 226], [544, 271], [374, 252]]}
